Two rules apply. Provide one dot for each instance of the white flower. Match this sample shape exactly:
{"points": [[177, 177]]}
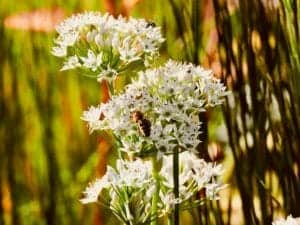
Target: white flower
{"points": [[168, 199], [71, 63], [194, 175], [130, 187], [134, 173], [148, 45], [59, 51], [127, 52], [212, 189], [127, 174], [106, 44], [288, 221], [92, 61], [92, 116], [90, 36], [68, 39], [93, 190]]}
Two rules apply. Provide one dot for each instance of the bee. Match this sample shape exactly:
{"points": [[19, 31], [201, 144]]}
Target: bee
{"points": [[150, 24], [143, 124]]}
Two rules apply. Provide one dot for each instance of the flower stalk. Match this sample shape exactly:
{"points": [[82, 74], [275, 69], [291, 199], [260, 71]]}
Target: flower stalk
{"points": [[155, 198], [154, 118], [170, 221], [176, 185], [110, 85]]}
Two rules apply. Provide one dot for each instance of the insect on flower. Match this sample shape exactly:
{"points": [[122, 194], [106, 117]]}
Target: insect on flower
{"points": [[143, 124], [150, 24]]}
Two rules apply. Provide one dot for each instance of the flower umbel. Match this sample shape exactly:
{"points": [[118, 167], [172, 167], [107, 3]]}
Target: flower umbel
{"points": [[127, 191], [195, 175], [170, 99], [102, 46], [132, 184]]}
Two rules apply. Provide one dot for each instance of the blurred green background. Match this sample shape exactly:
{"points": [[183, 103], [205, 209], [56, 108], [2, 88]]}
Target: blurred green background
{"points": [[47, 156]]}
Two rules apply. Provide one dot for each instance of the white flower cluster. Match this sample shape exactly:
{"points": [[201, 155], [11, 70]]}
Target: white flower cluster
{"points": [[195, 175], [288, 221], [168, 99], [103, 47], [131, 186], [127, 191], [156, 115]]}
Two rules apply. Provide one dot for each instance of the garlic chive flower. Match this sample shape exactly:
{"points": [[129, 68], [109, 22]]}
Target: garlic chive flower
{"points": [[92, 116], [195, 175], [288, 221], [127, 191], [170, 99], [102, 46]]}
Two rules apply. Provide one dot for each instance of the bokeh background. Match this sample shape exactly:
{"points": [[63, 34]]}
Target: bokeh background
{"points": [[47, 156]]}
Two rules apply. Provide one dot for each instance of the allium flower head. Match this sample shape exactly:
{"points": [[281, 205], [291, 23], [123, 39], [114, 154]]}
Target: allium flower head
{"points": [[194, 175], [127, 174], [168, 100], [127, 191], [103, 46]]}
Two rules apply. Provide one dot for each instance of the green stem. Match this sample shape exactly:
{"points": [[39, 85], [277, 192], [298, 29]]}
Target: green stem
{"points": [[155, 198], [111, 90], [176, 184], [170, 222]]}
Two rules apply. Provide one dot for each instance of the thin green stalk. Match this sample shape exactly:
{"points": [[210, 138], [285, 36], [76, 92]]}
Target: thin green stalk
{"points": [[155, 198], [170, 222], [111, 91], [176, 184]]}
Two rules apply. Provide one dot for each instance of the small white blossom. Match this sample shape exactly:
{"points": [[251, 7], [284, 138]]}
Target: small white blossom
{"points": [[133, 173], [71, 63], [93, 117], [212, 189], [168, 202], [288, 221], [92, 61], [127, 52], [59, 51], [93, 191]]}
